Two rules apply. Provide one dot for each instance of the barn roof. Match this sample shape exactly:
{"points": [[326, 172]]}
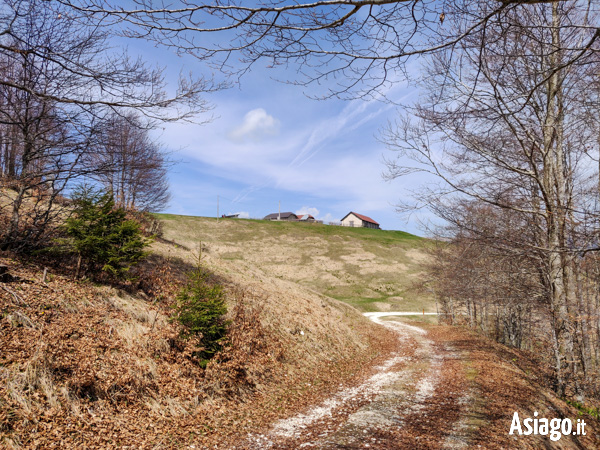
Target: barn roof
{"points": [[284, 215]]}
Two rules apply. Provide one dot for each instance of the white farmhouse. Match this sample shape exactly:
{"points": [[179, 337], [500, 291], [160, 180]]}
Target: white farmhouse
{"points": [[353, 219]]}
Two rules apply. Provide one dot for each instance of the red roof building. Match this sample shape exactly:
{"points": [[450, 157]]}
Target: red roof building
{"points": [[353, 219]]}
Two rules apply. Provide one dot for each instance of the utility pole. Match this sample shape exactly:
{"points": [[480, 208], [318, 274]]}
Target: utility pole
{"points": [[217, 209], [279, 214]]}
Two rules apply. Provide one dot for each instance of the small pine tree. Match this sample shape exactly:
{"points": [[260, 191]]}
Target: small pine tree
{"points": [[201, 309], [102, 237]]}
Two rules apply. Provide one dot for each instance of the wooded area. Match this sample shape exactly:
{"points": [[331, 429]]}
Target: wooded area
{"points": [[508, 131], [74, 110]]}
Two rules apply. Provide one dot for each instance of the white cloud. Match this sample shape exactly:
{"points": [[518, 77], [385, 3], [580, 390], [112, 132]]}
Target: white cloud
{"points": [[308, 210], [329, 218], [325, 156], [256, 126], [329, 129], [243, 214]]}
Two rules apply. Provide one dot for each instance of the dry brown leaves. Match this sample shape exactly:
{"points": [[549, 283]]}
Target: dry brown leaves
{"points": [[251, 357], [79, 369], [500, 381]]}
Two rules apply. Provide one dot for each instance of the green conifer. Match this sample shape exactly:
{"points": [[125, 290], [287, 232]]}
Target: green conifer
{"points": [[102, 236]]}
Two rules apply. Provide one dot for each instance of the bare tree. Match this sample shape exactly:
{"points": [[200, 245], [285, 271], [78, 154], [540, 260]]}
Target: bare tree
{"points": [[42, 147], [502, 124], [478, 273], [58, 78], [99, 73], [350, 47], [130, 165]]}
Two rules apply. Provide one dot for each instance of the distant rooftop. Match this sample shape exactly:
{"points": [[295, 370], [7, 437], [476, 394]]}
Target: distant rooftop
{"points": [[361, 217], [284, 215]]}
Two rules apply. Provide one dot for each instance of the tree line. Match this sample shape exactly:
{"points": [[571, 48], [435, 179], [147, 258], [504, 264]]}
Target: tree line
{"points": [[74, 109], [508, 134]]}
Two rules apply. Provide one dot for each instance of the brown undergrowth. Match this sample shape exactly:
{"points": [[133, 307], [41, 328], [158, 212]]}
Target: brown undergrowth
{"points": [[250, 358], [86, 365], [498, 381]]}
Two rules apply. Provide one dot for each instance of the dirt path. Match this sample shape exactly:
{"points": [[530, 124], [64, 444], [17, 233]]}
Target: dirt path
{"points": [[443, 387], [405, 398]]}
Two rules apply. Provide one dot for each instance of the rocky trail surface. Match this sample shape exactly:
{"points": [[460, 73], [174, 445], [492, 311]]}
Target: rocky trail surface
{"points": [[442, 387], [404, 399]]}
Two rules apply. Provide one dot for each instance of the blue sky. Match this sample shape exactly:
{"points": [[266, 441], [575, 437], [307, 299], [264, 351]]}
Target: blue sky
{"points": [[269, 142]]}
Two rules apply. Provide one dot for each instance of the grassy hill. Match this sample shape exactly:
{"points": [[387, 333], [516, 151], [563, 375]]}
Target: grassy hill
{"points": [[372, 270], [79, 357], [89, 365]]}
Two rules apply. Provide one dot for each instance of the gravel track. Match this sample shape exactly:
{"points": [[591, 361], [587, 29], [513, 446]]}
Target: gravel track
{"points": [[369, 414]]}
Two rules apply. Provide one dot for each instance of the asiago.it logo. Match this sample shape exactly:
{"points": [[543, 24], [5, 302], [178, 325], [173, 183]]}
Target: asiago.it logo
{"points": [[554, 428]]}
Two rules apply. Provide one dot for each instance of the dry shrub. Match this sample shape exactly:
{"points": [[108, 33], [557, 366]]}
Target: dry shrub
{"points": [[149, 225], [161, 277], [251, 357]]}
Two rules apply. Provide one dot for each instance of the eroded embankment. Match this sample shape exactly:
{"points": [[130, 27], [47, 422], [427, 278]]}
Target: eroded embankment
{"points": [[84, 365]]}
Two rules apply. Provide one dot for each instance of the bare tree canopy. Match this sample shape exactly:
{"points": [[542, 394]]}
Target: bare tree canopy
{"points": [[58, 80], [130, 165], [93, 70], [354, 47], [507, 134], [511, 123]]}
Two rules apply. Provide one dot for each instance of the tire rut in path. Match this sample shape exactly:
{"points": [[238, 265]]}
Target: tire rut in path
{"points": [[401, 403]]}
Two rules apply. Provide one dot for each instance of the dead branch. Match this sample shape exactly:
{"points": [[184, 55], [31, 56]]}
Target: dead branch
{"points": [[18, 300]]}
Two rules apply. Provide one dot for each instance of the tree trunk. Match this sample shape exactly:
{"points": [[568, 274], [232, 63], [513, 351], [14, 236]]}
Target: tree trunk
{"points": [[78, 269], [556, 206]]}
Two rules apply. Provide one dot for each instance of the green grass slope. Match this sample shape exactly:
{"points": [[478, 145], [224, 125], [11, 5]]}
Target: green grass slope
{"points": [[372, 270]]}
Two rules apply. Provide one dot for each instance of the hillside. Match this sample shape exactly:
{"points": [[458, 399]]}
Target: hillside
{"points": [[98, 366], [372, 270], [85, 365]]}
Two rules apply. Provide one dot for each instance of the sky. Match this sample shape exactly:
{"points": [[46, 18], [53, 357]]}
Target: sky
{"points": [[268, 142]]}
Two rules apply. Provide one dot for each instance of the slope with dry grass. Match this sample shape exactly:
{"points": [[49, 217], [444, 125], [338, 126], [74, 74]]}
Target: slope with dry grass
{"points": [[85, 365], [92, 366], [477, 391], [369, 269]]}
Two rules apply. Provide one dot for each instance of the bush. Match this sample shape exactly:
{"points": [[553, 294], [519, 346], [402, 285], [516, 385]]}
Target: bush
{"points": [[253, 355], [102, 236], [200, 308]]}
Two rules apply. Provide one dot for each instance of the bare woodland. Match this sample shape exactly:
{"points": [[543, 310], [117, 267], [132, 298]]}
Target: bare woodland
{"points": [[509, 127], [506, 133], [128, 163], [63, 89]]}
